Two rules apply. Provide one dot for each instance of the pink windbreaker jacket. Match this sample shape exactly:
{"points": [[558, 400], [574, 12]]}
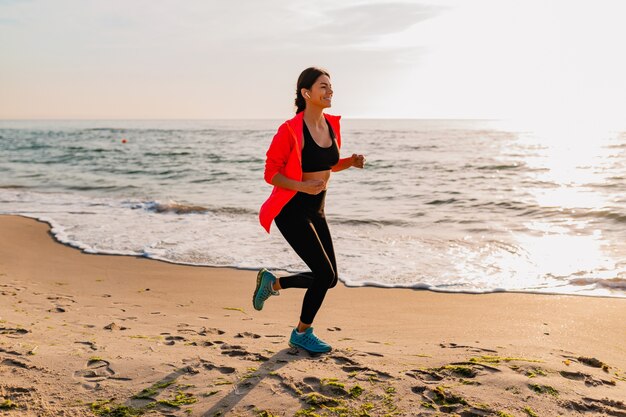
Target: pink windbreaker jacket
{"points": [[285, 156]]}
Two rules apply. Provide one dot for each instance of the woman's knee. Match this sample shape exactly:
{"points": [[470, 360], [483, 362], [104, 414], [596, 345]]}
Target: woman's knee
{"points": [[326, 278], [333, 282]]}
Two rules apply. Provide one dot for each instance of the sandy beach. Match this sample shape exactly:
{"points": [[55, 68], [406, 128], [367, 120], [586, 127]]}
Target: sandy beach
{"points": [[85, 335]]}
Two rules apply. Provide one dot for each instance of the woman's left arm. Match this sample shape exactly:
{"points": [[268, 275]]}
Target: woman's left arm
{"points": [[357, 161]]}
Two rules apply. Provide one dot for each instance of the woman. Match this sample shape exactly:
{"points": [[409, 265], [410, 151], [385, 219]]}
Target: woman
{"points": [[300, 159]]}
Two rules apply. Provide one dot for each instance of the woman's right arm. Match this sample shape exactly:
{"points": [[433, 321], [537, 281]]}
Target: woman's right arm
{"points": [[307, 186]]}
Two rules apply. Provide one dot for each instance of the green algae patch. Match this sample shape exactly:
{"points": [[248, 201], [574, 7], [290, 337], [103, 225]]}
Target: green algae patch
{"points": [[333, 382], [355, 402], [223, 383], [488, 359], [235, 309], [178, 400], [106, 409], [265, 413], [306, 412], [468, 382], [341, 411], [503, 414], [544, 389], [141, 336], [530, 412], [316, 399], [355, 391], [532, 373], [462, 370], [446, 398], [7, 405], [153, 391], [334, 386]]}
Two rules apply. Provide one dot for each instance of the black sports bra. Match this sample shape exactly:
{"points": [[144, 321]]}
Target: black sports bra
{"points": [[314, 157]]}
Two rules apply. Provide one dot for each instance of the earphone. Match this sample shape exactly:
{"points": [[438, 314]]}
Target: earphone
{"points": [[307, 95]]}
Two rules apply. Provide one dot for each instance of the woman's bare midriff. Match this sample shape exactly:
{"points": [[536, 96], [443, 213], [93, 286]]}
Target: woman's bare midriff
{"points": [[317, 175]]}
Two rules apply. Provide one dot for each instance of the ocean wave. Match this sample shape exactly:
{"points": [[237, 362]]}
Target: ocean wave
{"points": [[369, 222], [577, 213], [612, 283], [536, 211], [12, 187], [100, 187], [183, 208], [233, 210], [170, 207], [501, 167], [442, 202]]}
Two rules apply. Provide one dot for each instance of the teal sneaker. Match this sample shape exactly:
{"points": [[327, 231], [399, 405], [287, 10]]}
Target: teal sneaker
{"points": [[308, 341], [264, 281]]}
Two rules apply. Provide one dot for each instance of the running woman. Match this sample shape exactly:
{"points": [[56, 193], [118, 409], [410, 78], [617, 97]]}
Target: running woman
{"points": [[300, 159]]}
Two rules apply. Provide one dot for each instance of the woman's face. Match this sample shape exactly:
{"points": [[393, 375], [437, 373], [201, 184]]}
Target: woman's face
{"points": [[320, 94]]}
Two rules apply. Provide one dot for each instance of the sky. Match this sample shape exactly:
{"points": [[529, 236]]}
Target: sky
{"points": [[193, 59]]}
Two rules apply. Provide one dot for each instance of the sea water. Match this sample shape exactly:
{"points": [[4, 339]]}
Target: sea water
{"points": [[445, 205]]}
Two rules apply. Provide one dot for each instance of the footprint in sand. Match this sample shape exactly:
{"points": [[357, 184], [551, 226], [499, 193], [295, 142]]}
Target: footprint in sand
{"points": [[352, 366], [171, 340], [428, 377], [240, 351], [10, 352], [605, 406], [589, 380], [323, 387], [222, 369], [9, 290], [13, 332], [202, 331], [91, 345], [16, 395], [114, 326], [16, 363], [96, 370], [247, 334], [61, 303], [342, 360], [452, 371], [469, 348]]}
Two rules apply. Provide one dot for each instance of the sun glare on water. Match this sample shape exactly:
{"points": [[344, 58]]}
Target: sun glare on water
{"points": [[568, 170]]}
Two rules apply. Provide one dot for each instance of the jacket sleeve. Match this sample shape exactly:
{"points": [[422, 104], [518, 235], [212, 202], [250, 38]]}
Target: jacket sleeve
{"points": [[278, 153]]}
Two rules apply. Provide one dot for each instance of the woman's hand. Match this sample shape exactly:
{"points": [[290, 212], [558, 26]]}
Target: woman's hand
{"points": [[357, 161], [312, 186]]}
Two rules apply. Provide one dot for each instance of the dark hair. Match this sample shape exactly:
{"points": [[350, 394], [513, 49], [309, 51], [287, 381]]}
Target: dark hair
{"points": [[306, 80]]}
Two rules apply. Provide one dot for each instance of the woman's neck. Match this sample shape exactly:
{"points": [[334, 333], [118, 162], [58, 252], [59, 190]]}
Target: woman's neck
{"points": [[314, 117]]}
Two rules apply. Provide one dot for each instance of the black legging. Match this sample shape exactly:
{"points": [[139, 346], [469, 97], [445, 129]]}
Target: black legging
{"points": [[303, 224]]}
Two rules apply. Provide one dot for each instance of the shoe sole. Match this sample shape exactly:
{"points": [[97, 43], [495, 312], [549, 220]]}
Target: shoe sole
{"points": [[259, 277], [310, 352]]}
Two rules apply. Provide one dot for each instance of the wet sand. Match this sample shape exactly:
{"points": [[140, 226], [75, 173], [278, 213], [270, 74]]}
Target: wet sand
{"points": [[81, 334]]}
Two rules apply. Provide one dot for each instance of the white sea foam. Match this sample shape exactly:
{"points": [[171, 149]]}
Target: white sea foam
{"points": [[368, 256]]}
